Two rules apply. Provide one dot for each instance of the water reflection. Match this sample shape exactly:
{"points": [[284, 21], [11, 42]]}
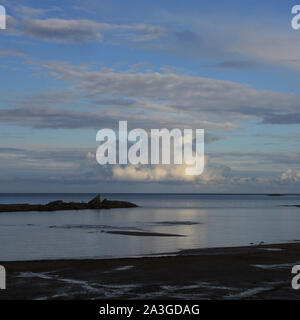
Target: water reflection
{"points": [[206, 220]]}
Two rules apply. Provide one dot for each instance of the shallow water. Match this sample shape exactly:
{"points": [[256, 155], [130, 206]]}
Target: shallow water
{"points": [[205, 220]]}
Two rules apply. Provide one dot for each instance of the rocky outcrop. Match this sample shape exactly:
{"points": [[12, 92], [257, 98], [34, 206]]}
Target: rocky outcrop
{"points": [[109, 204], [291, 205], [58, 205], [96, 202]]}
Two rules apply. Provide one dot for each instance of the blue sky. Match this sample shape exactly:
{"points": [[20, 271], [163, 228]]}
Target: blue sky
{"points": [[71, 68]]}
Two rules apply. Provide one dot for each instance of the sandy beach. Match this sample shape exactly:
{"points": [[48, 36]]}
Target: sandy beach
{"points": [[254, 272]]}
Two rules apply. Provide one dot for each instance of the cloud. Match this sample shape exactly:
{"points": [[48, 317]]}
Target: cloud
{"points": [[193, 35], [165, 99], [194, 97], [235, 65], [67, 165], [80, 30], [11, 53], [254, 42], [289, 176], [279, 136], [78, 166], [11, 24], [143, 32], [45, 99], [32, 162], [259, 158], [269, 45], [169, 173], [29, 12], [60, 30], [291, 118], [53, 118]]}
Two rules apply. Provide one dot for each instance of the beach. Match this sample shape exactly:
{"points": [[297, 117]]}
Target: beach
{"points": [[178, 247], [250, 272]]}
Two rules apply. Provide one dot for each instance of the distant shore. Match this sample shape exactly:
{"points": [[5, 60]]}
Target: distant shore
{"points": [[253, 272]]}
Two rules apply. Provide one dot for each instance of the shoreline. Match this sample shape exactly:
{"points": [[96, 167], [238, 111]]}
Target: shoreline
{"points": [[249, 272], [182, 252]]}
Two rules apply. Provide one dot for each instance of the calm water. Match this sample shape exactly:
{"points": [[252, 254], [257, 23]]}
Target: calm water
{"points": [[206, 220]]}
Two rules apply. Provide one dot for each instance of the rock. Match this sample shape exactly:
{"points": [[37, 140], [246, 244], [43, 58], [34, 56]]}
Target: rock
{"points": [[61, 205], [96, 202], [109, 204], [55, 203]]}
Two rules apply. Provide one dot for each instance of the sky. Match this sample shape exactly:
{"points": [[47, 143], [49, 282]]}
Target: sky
{"points": [[71, 68]]}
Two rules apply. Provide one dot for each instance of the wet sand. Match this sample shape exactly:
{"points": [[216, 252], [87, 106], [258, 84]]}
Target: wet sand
{"points": [[255, 272]]}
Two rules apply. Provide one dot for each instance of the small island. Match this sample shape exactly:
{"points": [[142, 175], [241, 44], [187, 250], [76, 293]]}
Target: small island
{"points": [[291, 205], [59, 205]]}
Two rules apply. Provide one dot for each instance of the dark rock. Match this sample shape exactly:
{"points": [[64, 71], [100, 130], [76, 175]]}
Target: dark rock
{"points": [[291, 205], [96, 202], [55, 203], [61, 205], [108, 204]]}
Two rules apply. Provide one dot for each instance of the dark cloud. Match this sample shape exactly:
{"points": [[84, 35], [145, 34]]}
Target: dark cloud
{"points": [[52, 118], [292, 118]]}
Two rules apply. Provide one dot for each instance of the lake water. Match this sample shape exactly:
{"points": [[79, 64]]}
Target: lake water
{"points": [[206, 220]]}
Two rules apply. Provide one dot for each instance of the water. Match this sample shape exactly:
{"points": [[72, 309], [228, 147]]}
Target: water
{"points": [[208, 220]]}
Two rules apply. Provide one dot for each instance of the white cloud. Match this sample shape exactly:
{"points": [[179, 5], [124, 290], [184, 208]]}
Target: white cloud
{"points": [[289, 176], [169, 173]]}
